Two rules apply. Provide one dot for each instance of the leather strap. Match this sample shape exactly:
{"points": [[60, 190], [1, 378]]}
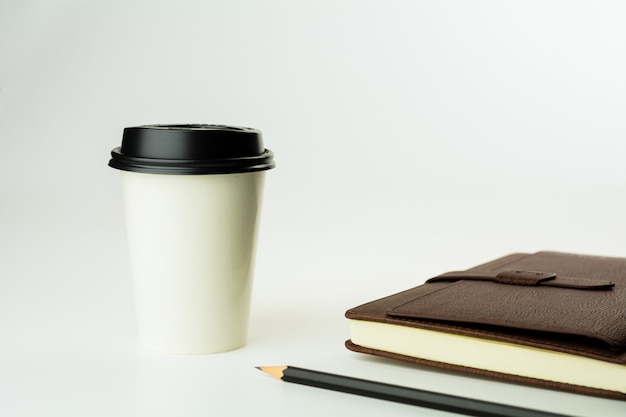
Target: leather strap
{"points": [[528, 278]]}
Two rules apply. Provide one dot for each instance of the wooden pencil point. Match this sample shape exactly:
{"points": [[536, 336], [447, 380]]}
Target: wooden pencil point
{"points": [[275, 371]]}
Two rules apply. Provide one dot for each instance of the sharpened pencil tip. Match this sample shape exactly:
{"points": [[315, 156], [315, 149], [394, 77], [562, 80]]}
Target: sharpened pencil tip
{"points": [[275, 371]]}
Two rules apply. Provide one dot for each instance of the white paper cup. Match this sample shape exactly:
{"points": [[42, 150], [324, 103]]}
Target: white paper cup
{"points": [[192, 230]]}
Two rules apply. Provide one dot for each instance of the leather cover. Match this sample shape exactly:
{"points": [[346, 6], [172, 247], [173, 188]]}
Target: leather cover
{"points": [[562, 302]]}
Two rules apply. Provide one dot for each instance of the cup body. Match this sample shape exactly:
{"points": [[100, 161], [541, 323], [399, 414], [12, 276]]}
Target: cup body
{"points": [[192, 241]]}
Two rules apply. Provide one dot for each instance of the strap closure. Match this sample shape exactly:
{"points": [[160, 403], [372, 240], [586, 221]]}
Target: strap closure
{"points": [[528, 278]]}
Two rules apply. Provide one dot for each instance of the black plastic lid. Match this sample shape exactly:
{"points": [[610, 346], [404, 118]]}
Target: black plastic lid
{"points": [[191, 149]]}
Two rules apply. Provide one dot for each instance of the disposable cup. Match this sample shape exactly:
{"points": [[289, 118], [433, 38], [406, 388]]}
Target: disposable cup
{"points": [[192, 197]]}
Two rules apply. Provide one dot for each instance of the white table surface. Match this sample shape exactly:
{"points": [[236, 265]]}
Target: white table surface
{"points": [[68, 335], [412, 138]]}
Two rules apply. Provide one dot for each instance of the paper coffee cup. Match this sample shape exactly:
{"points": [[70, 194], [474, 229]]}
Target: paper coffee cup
{"points": [[192, 196]]}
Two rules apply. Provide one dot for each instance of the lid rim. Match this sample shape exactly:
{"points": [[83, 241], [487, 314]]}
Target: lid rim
{"points": [[262, 162]]}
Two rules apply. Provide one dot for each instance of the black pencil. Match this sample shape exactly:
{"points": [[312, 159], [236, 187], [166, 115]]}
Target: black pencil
{"points": [[366, 388]]}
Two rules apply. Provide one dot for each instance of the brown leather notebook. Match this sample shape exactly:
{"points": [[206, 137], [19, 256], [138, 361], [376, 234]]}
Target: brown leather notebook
{"points": [[548, 319]]}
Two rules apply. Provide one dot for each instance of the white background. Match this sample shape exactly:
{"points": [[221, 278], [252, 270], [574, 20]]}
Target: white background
{"points": [[411, 138]]}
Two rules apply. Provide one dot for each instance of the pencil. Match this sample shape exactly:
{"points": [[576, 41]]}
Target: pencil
{"points": [[395, 393]]}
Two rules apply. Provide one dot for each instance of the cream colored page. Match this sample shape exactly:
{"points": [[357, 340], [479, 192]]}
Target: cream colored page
{"points": [[489, 355]]}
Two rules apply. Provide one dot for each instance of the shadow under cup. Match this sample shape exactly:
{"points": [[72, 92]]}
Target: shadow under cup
{"points": [[192, 197]]}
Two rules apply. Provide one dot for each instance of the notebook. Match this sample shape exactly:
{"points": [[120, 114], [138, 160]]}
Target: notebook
{"points": [[549, 319]]}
